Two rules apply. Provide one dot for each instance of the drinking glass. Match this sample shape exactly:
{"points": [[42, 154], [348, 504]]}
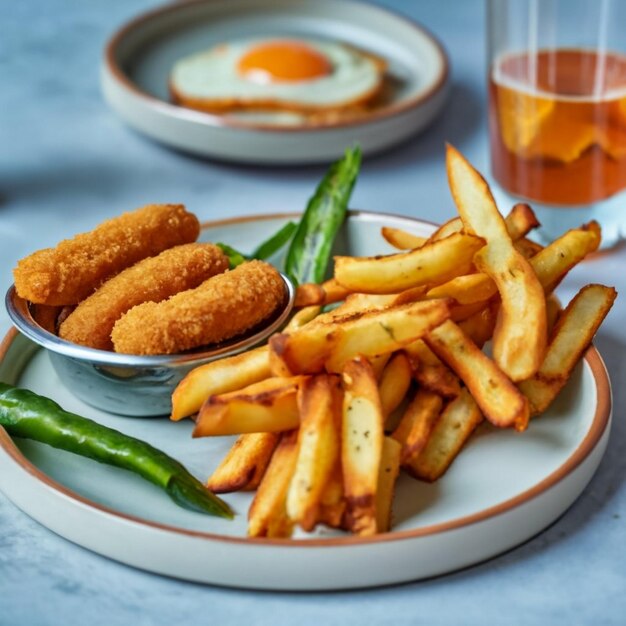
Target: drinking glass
{"points": [[557, 111]]}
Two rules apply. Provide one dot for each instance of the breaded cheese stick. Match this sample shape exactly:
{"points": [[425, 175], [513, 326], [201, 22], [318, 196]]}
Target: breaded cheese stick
{"points": [[152, 280], [220, 308], [76, 267]]}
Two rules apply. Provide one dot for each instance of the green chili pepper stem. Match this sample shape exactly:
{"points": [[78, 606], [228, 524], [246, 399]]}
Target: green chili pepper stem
{"points": [[28, 415], [311, 246]]}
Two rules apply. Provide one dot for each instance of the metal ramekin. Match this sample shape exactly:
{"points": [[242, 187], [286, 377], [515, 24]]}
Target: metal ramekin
{"points": [[134, 386]]}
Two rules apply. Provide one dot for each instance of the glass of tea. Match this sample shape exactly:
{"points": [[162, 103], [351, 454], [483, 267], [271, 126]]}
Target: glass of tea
{"points": [[557, 111]]}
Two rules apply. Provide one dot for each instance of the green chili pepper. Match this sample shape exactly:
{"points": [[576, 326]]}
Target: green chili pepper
{"points": [[275, 242], [264, 250], [235, 257], [310, 249], [28, 415]]}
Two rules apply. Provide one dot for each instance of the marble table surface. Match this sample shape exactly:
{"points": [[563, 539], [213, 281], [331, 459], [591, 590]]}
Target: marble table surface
{"points": [[67, 163]]}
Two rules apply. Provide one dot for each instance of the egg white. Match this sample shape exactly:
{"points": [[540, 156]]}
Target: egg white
{"points": [[212, 77]]}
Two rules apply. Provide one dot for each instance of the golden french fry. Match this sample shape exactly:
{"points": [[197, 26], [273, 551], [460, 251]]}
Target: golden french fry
{"points": [[334, 292], [319, 404], [553, 310], [572, 335], [454, 225], [553, 262], [519, 222], [498, 398], [394, 382], [361, 445], [387, 476], [333, 343], [267, 406], [219, 377], [379, 363], [430, 372], [435, 262], [402, 239], [453, 428], [417, 422], [519, 340], [480, 326], [309, 294], [467, 289], [267, 516], [332, 503], [244, 465], [527, 248]]}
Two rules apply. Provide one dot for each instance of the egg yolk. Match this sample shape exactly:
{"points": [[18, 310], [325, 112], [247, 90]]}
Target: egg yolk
{"points": [[278, 61]]}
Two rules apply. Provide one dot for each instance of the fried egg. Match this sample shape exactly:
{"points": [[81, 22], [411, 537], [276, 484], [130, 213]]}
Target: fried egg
{"points": [[303, 75]]}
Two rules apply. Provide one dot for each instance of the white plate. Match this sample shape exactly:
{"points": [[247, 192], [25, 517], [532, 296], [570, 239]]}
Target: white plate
{"points": [[139, 58], [503, 488]]}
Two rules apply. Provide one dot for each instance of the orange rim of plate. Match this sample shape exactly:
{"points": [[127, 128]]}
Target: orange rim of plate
{"points": [[185, 113], [587, 445]]}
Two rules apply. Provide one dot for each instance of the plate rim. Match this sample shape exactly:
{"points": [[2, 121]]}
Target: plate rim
{"points": [[599, 424], [111, 65]]}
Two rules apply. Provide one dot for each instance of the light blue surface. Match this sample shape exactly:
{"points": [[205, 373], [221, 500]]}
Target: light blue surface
{"points": [[67, 163]]}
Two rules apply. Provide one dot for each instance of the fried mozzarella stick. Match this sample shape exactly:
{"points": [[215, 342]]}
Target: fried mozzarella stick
{"points": [[220, 308], [152, 280], [76, 267]]}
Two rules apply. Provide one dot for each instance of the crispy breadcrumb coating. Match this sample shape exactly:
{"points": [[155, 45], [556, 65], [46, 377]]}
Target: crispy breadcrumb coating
{"points": [[152, 280], [76, 267], [222, 307]]}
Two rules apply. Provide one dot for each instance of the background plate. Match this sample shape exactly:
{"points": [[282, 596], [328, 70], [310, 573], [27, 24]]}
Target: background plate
{"points": [[504, 487], [139, 58]]}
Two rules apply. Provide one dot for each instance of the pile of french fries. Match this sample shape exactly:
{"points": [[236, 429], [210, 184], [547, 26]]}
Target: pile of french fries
{"points": [[394, 376]]}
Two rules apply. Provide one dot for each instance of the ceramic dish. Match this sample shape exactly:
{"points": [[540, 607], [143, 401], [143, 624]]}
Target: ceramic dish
{"points": [[502, 489], [139, 57]]}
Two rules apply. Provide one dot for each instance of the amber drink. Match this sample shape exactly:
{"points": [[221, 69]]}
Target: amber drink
{"points": [[557, 121]]}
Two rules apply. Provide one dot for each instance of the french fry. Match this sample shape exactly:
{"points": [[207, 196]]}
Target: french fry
{"points": [[550, 264], [467, 289], [267, 516], [480, 326], [361, 445], [332, 503], [553, 262], [267, 406], [333, 343], [334, 292], [218, 377], [309, 294], [519, 222], [519, 340], [244, 465], [527, 248], [230, 373], [417, 422], [402, 239], [430, 372], [304, 316], [453, 428], [553, 310], [378, 364], [435, 262], [319, 404], [572, 335], [387, 476], [394, 383], [498, 398]]}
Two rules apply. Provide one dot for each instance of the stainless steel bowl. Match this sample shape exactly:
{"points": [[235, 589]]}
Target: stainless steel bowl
{"points": [[135, 386]]}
